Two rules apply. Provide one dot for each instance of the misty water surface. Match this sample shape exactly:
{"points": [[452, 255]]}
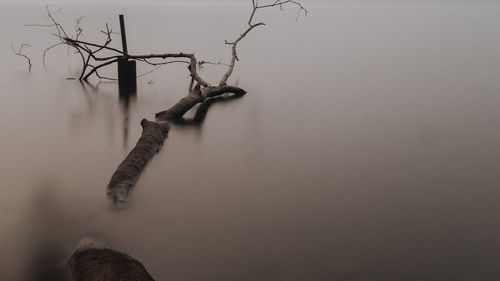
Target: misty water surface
{"points": [[367, 147]]}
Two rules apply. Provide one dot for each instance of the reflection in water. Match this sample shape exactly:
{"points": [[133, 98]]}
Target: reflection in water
{"points": [[85, 87], [93, 88], [127, 96]]}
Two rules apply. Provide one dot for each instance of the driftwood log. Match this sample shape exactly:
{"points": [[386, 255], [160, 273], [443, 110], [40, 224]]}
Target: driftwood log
{"points": [[153, 135], [103, 263], [97, 56], [128, 172]]}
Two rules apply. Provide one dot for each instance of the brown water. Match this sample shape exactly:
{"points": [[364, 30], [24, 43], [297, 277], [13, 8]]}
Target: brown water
{"points": [[367, 147]]}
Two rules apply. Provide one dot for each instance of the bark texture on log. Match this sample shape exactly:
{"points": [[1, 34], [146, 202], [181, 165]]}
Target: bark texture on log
{"points": [[96, 264], [127, 173], [94, 259]]}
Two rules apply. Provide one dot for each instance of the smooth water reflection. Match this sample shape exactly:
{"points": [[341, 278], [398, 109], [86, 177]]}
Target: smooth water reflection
{"points": [[128, 96]]}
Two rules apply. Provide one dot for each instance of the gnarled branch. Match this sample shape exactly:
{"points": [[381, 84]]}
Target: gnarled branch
{"points": [[197, 95]]}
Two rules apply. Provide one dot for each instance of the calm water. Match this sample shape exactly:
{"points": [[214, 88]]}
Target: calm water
{"points": [[367, 147]]}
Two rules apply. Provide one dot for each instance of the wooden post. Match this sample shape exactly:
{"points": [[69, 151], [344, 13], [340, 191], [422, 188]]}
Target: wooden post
{"points": [[127, 73], [124, 36]]}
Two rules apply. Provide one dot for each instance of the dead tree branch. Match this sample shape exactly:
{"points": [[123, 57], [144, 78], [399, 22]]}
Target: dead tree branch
{"points": [[91, 62], [129, 170], [155, 132], [197, 95], [251, 26], [20, 53]]}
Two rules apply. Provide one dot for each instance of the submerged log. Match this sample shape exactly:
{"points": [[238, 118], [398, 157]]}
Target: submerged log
{"points": [[127, 173], [153, 135], [97, 261]]}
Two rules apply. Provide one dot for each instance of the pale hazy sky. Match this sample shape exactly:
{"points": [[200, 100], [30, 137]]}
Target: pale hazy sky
{"points": [[115, 1], [100, 1]]}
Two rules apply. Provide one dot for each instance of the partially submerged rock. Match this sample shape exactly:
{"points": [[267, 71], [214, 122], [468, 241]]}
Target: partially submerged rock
{"points": [[94, 260]]}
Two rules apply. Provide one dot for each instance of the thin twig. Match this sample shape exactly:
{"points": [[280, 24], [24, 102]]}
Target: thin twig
{"points": [[251, 26], [203, 62], [19, 53], [91, 62], [146, 73]]}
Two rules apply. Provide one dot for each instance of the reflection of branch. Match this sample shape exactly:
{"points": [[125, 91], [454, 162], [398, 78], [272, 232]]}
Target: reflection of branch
{"points": [[19, 53]]}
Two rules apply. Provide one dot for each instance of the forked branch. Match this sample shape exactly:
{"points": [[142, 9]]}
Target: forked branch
{"points": [[251, 26], [19, 52], [92, 62], [155, 132]]}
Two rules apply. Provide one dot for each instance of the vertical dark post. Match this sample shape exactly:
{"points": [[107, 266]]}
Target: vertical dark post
{"points": [[124, 37], [127, 74], [127, 82]]}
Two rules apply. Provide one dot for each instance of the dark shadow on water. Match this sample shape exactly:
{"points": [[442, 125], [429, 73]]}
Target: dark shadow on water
{"points": [[89, 89], [48, 257], [50, 239], [127, 96], [47, 263]]}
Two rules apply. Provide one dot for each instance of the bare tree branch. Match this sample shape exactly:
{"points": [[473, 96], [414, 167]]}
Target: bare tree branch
{"points": [[203, 62], [19, 53], [251, 26], [155, 132], [88, 50], [195, 96], [148, 72], [47, 49]]}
